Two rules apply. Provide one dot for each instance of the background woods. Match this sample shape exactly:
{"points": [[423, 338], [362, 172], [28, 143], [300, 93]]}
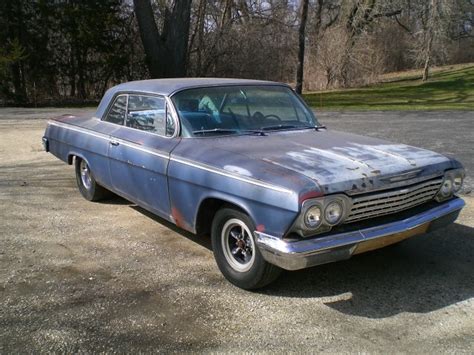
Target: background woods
{"points": [[54, 51]]}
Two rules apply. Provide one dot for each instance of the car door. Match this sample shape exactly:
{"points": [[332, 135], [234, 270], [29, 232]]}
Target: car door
{"points": [[139, 152]]}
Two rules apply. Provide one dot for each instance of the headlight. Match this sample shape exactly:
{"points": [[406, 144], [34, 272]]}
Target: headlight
{"points": [[312, 217], [457, 183], [319, 215], [447, 188], [333, 212], [452, 183]]}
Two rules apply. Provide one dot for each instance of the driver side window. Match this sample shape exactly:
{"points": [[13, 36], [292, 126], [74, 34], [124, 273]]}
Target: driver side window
{"points": [[147, 113]]}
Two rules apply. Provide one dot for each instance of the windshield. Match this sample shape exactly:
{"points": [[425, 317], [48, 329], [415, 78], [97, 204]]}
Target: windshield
{"points": [[228, 110]]}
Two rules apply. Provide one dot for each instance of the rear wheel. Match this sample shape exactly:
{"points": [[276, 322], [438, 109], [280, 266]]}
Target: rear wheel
{"points": [[236, 252], [86, 183]]}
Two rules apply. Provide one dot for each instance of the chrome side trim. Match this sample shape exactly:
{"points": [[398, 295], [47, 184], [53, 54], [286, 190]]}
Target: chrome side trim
{"points": [[316, 251], [140, 148], [110, 138], [176, 159], [227, 174], [80, 130]]}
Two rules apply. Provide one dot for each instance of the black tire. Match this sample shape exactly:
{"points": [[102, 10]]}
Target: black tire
{"points": [[246, 269], [91, 191]]}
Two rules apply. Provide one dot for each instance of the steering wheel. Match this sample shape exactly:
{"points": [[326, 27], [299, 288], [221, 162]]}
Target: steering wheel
{"points": [[234, 118], [271, 116], [258, 116]]}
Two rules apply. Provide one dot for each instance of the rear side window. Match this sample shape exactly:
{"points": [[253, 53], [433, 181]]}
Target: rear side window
{"points": [[117, 111], [147, 113]]}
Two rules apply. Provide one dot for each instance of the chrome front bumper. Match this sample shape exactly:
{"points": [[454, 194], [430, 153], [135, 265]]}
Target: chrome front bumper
{"points": [[316, 251]]}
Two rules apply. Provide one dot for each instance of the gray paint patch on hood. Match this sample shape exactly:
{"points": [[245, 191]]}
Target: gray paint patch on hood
{"points": [[340, 161]]}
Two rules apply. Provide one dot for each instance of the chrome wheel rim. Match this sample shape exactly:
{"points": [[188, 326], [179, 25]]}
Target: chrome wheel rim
{"points": [[238, 245], [86, 177]]}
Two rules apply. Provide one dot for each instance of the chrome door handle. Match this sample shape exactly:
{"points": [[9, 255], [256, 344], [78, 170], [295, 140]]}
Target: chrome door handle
{"points": [[114, 143]]}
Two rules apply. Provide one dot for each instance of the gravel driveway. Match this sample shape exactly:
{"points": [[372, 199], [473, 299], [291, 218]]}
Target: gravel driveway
{"points": [[81, 276]]}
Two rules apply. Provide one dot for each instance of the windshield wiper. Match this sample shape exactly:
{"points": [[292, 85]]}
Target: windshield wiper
{"points": [[216, 130], [254, 131], [285, 126], [230, 131]]}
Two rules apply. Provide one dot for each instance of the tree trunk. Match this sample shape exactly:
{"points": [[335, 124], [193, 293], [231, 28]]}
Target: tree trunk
{"points": [[166, 53], [360, 16], [18, 84], [150, 37], [200, 33], [426, 68], [81, 80], [16, 32], [226, 14], [429, 38], [301, 46], [198, 36], [177, 38]]}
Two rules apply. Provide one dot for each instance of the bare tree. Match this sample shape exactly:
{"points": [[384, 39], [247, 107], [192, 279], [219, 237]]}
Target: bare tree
{"points": [[57, 51], [429, 37], [301, 46], [166, 50], [432, 21]]}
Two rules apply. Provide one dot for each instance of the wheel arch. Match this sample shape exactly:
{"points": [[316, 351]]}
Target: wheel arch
{"points": [[208, 208], [72, 156]]}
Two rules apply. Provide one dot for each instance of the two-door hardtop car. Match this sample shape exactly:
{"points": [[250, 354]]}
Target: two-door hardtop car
{"points": [[248, 162]]}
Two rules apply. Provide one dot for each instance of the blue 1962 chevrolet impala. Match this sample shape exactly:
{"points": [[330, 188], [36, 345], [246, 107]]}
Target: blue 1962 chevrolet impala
{"points": [[248, 162]]}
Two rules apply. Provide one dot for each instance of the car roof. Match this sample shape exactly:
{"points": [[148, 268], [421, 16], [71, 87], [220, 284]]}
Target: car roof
{"points": [[168, 87]]}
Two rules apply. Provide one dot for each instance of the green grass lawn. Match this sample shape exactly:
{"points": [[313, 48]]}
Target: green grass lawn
{"points": [[449, 88]]}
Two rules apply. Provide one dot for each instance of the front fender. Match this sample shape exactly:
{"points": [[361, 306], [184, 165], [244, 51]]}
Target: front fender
{"points": [[273, 211], [265, 217]]}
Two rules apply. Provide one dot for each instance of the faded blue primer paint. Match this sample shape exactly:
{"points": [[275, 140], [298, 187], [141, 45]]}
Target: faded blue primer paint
{"points": [[267, 176]]}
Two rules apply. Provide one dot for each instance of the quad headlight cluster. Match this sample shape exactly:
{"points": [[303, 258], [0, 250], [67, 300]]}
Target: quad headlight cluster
{"points": [[452, 183], [320, 214]]}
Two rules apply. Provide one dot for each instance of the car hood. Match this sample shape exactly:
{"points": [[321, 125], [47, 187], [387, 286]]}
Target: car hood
{"points": [[336, 161]]}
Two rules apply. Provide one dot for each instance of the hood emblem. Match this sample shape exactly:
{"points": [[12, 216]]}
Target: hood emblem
{"points": [[404, 176]]}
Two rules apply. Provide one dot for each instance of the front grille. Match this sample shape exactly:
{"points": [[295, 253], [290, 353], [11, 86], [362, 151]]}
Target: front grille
{"points": [[380, 204]]}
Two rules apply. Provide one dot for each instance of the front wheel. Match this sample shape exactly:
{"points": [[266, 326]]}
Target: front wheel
{"points": [[86, 183], [236, 252]]}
